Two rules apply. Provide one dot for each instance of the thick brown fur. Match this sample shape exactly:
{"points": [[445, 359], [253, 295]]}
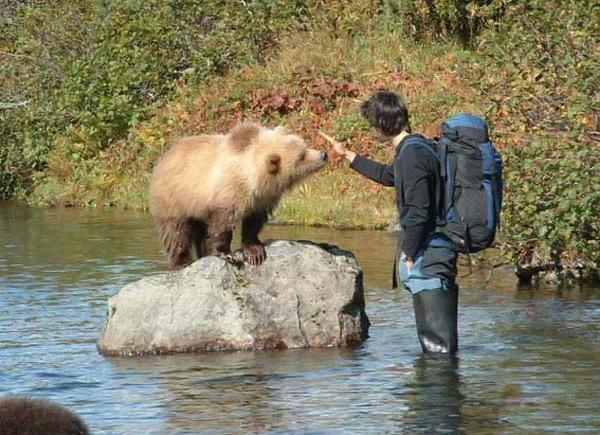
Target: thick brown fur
{"points": [[21, 416], [205, 185]]}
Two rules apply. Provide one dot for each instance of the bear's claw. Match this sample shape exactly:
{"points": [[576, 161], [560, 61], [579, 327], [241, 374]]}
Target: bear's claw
{"points": [[232, 259], [254, 254]]}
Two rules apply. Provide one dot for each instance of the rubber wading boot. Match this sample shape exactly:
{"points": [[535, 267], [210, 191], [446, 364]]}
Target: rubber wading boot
{"points": [[436, 314]]}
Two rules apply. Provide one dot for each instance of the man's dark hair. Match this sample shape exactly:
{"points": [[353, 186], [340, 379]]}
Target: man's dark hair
{"points": [[386, 112]]}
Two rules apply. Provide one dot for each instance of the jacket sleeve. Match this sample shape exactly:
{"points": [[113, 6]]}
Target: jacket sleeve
{"points": [[417, 189], [378, 172]]}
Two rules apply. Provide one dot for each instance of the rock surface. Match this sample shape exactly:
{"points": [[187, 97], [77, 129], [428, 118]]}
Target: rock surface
{"points": [[303, 295]]}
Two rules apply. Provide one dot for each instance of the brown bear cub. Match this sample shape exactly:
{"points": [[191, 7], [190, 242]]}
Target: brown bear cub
{"points": [[204, 185], [20, 416]]}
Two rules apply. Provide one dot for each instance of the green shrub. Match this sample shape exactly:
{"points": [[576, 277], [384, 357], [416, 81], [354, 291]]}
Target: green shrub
{"points": [[422, 19], [552, 202], [544, 54], [90, 70], [545, 104]]}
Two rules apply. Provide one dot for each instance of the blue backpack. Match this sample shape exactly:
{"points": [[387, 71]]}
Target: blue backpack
{"points": [[471, 172]]}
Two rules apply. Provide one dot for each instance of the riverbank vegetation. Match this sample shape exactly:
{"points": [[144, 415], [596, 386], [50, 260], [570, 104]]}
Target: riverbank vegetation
{"points": [[93, 92]]}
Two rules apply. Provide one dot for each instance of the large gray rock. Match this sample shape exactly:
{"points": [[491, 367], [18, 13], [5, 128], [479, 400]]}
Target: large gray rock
{"points": [[303, 295]]}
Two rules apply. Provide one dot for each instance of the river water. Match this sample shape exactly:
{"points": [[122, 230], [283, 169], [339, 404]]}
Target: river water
{"points": [[529, 358]]}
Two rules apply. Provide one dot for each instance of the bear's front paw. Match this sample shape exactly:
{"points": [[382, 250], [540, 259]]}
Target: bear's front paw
{"points": [[254, 254], [232, 259]]}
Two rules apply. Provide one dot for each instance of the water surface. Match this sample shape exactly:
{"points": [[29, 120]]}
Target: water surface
{"points": [[529, 358]]}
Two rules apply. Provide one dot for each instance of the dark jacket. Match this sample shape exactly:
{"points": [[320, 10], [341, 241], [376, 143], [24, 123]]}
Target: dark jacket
{"points": [[415, 175]]}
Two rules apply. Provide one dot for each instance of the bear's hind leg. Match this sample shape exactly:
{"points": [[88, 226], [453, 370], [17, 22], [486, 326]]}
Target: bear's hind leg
{"points": [[176, 238], [200, 238], [220, 234], [254, 250], [218, 244]]}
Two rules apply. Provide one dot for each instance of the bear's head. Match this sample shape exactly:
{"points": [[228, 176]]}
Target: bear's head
{"points": [[281, 158]]}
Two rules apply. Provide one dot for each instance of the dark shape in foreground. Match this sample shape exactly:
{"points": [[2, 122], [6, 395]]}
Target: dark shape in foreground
{"points": [[20, 416]]}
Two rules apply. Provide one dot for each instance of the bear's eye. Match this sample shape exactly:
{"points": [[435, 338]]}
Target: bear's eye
{"points": [[302, 156]]}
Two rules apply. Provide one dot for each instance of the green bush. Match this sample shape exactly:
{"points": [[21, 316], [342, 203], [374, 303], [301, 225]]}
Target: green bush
{"points": [[544, 100], [550, 216], [544, 54], [442, 19], [90, 70]]}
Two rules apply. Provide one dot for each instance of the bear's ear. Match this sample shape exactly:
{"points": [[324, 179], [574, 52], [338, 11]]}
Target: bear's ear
{"points": [[243, 134], [273, 164]]}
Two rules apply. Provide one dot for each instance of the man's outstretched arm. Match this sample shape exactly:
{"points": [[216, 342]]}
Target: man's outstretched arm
{"points": [[375, 171]]}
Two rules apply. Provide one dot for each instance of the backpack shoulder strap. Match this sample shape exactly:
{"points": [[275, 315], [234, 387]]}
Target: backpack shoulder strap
{"points": [[431, 146], [417, 139]]}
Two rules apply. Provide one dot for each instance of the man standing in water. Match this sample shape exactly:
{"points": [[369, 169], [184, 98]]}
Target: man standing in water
{"points": [[427, 262]]}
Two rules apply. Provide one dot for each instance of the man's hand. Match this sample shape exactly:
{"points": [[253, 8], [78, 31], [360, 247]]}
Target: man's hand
{"points": [[338, 147], [408, 262]]}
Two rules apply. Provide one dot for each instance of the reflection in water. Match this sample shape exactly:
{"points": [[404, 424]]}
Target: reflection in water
{"points": [[234, 390], [433, 395], [528, 359]]}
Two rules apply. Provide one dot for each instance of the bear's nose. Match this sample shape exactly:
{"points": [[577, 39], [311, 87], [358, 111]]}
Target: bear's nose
{"points": [[324, 156]]}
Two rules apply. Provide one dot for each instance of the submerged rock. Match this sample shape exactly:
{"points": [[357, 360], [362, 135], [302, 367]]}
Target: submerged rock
{"points": [[534, 269], [303, 295]]}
